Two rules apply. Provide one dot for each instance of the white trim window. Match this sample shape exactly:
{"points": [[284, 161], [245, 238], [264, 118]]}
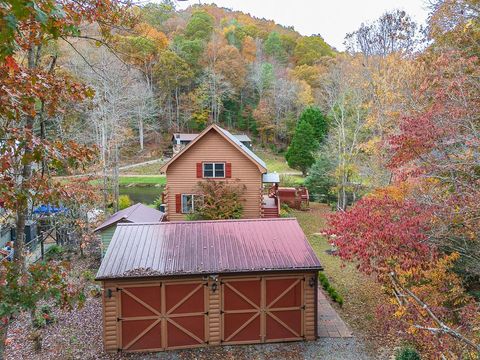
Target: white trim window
{"points": [[188, 203], [191, 202], [213, 169]]}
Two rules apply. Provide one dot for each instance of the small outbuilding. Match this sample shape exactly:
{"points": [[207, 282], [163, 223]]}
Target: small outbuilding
{"points": [[137, 213], [192, 284]]}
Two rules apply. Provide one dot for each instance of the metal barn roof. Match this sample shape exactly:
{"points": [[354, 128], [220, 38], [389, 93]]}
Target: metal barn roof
{"points": [[207, 247], [137, 213]]}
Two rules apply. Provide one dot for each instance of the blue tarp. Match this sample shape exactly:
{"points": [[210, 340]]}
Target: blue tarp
{"points": [[48, 209]]}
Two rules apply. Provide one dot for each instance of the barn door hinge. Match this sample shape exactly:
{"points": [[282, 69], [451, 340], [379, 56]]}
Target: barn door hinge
{"points": [[222, 312], [118, 289], [207, 342], [119, 319], [206, 313], [302, 307]]}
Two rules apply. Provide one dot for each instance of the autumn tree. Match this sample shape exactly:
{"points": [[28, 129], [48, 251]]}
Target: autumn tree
{"points": [[171, 73], [393, 32], [301, 152], [220, 200], [310, 49], [200, 26], [41, 92]]}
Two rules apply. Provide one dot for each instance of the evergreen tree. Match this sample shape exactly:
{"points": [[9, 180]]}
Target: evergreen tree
{"points": [[274, 47], [300, 153], [314, 116], [320, 181]]}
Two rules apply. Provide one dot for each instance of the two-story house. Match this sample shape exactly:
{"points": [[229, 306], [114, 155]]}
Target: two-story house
{"points": [[218, 155]]}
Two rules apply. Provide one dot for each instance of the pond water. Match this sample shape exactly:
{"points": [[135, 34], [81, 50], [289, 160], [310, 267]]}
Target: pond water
{"points": [[143, 194]]}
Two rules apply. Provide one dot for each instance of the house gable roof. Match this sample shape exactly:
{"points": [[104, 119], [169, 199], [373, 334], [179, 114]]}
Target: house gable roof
{"points": [[137, 213], [227, 136], [207, 247]]}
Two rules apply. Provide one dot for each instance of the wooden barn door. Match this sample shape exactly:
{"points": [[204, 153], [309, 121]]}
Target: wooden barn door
{"points": [[262, 309], [283, 309], [185, 314], [161, 316], [241, 310], [141, 317]]}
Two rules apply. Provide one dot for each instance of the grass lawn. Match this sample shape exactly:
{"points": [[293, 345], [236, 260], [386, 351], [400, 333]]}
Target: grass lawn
{"points": [[275, 163], [142, 180], [147, 169], [361, 294], [147, 180]]}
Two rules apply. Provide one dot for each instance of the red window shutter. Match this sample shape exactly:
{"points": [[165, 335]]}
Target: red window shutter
{"points": [[228, 170], [178, 203], [199, 170]]}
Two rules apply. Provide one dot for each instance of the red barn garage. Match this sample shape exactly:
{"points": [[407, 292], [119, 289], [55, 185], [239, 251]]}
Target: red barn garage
{"points": [[191, 284]]}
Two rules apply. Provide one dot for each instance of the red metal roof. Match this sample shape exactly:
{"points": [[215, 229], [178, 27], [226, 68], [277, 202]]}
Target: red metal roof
{"points": [[207, 247], [137, 213]]}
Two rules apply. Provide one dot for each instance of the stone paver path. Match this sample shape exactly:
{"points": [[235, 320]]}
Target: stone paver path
{"points": [[330, 325]]}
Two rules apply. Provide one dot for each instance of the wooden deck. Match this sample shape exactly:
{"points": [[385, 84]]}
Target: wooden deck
{"points": [[269, 208]]}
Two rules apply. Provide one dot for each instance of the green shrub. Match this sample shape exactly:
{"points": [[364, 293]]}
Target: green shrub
{"points": [[407, 353], [43, 317], [88, 275], [158, 202], [54, 252], [334, 295], [124, 202]]}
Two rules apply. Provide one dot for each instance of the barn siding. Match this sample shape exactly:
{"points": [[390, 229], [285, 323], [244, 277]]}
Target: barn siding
{"points": [[214, 316], [310, 307], [110, 332], [182, 177]]}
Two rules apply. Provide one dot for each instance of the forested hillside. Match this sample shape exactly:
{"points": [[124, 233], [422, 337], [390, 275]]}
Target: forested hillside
{"points": [[386, 133], [180, 70]]}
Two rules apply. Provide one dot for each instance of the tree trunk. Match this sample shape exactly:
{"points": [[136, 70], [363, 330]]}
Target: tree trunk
{"points": [[3, 336], [140, 131], [116, 190], [22, 201]]}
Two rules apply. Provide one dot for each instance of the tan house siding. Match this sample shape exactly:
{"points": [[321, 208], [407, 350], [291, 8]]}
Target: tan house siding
{"points": [[110, 314], [182, 175]]}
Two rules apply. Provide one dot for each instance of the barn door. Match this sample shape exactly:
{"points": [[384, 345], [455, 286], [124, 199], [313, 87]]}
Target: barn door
{"points": [[283, 309], [241, 303], [163, 316], [262, 309], [141, 316], [185, 314]]}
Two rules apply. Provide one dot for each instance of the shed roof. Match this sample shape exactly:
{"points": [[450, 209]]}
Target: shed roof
{"points": [[184, 136], [137, 213], [243, 137], [207, 247]]}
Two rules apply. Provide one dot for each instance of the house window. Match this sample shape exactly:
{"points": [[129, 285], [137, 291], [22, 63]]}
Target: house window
{"points": [[191, 202], [188, 203], [213, 170]]}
